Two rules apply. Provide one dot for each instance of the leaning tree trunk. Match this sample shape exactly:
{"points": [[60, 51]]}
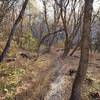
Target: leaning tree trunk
{"points": [[78, 45], [77, 85], [13, 30]]}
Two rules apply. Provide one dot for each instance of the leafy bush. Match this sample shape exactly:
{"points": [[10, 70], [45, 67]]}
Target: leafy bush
{"points": [[28, 42]]}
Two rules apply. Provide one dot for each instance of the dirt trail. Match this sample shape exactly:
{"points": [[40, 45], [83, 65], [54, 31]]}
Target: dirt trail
{"points": [[60, 88], [36, 90]]}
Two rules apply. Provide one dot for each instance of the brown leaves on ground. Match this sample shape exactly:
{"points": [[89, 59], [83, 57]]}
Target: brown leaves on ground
{"points": [[34, 80]]}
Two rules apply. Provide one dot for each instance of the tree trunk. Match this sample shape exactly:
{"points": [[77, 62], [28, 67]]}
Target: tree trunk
{"points": [[78, 45], [66, 47], [77, 85], [13, 30]]}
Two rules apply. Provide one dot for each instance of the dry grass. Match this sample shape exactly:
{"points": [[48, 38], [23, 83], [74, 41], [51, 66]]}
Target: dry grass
{"points": [[36, 77]]}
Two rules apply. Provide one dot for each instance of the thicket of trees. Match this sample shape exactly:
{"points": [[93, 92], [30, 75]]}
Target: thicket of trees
{"points": [[13, 30], [70, 21]]}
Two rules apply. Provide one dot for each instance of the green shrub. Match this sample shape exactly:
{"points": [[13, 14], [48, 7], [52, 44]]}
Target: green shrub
{"points": [[28, 42]]}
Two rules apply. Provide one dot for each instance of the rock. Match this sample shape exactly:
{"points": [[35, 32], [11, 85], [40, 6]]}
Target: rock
{"points": [[95, 96], [72, 72], [89, 81], [26, 55]]}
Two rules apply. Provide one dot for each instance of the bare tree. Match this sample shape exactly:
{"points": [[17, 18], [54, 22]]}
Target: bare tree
{"points": [[5, 6], [83, 65], [13, 30], [95, 18], [51, 27], [71, 20]]}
